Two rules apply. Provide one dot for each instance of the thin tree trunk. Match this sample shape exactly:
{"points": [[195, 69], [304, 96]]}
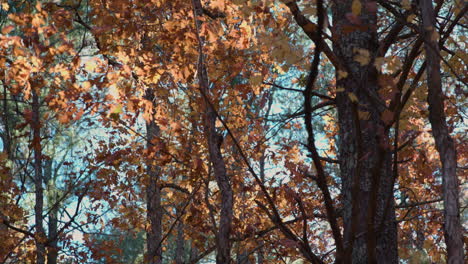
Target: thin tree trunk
{"points": [[153, 195], [260, 257], [370, 235], [214, 141], [453, 231], [52, 249], [179, 252], [52, 252], [38, 180]]}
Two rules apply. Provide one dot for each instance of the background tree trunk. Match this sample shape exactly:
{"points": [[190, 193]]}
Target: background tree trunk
{"points": [[453, 231], [52, 225], [365, 160], [38, 181], [179, 252], [153, 195], [214, 141]]}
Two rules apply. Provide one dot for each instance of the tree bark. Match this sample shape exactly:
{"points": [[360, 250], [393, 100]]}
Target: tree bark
{"points": [[179, 252], [153, 194], [40, 236], [370, 234], [453, 231], [214, 141], [52, 225], [52, 251]]}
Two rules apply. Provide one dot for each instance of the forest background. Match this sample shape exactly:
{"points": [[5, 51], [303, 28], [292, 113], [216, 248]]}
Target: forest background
{"points": [[261, 131]]}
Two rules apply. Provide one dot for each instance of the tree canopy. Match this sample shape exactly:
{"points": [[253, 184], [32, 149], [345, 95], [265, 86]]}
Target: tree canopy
{"points": [[233, 131]]}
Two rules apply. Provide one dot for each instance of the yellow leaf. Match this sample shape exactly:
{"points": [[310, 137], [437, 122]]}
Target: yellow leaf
{"points": [[406, 4], [410, 18], [362, 56], [86, 85], [5, 6], [353, 97], [340, 89], [37, 21], [116, 109], [342, 75], [356, 7]]}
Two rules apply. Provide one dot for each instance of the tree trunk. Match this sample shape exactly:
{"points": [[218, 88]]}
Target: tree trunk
{"points": [[52, 249], [179, 252], [38, 180], [214, 141], [370, 230], [260, 257], [453, 231], [153, 195], [219, 169]]}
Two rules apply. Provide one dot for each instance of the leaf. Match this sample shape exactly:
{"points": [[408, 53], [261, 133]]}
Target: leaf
{"points": [[86, 86], [115, 111], [256, 79], [362, 56], [342, 75], [340, 89], [410, 18], [406, 4], [5, 6], [356, 7], [63, 118], [379, 62], [7, 29], [353, 97]]}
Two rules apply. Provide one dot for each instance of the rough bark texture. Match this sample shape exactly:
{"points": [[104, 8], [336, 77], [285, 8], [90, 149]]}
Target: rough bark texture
{"points": [[214, 141], [179, 252], [365, 158], [153, 196], [38, 180], [453, 231]]}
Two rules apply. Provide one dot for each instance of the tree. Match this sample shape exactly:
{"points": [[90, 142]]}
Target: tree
{"points": [[444, 142]]}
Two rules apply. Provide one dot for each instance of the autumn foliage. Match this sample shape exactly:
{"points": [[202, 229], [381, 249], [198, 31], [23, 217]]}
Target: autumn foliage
{"points": [[233, 131]]}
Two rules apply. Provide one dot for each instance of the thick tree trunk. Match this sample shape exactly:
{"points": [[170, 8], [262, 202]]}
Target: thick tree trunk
{"points": [[153, 195], [370, 233], [444, 143], [38, 180], [214, 141]]}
